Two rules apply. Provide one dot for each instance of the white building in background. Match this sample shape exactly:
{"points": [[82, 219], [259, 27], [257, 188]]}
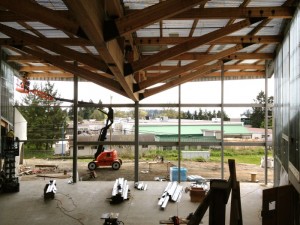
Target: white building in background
{"points": [[20, 130]]}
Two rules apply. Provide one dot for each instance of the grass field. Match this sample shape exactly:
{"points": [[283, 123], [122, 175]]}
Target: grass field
{"points": [[242, 155]]}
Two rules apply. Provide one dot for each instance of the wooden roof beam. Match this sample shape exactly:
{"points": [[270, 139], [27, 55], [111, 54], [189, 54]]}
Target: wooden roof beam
{"points": [[260, 74], [39, 68], [60, 41], [31, 9], [90, 15], [180, 80], [189, 45], [81, 72], [226, 67], [23, 59], [242, 56], [144, 17], [250, 39], [24, 38], [232, 13], [45, 75], [173, 73]]}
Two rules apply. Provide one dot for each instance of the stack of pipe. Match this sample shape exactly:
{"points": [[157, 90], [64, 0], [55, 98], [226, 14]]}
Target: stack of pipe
{"points": [[120, 191], [140, 186], [172, 192], [50, 189]]}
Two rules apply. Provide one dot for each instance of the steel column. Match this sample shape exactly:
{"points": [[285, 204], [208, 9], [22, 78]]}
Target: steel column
{"points": [[179, 133], [222, 120], [136, 145], [266, 129], [75, 128]]}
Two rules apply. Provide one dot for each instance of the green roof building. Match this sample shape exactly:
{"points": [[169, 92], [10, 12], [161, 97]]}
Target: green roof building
{"points": [[195, 133]]}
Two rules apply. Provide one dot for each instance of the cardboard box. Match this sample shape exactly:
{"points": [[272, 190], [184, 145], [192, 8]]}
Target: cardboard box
{"points": [[197, 194]]}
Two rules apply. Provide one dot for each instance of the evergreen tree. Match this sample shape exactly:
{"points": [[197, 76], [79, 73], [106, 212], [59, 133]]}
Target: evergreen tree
{"points": [[219, 115], [188, 115], [258, 113], [195, 115], [46, 120], [200, 114]]}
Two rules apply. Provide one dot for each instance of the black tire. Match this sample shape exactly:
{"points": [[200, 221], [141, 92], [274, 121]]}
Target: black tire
{"points": [[92, 166], [116, 165]]}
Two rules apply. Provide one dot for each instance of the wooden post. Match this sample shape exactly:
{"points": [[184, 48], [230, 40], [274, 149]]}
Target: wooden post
{"points": [[236, 206], [217, 208]]}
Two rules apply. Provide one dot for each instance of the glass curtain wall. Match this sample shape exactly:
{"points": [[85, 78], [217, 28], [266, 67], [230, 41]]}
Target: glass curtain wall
{"points": [[7, 92], [287, 102]]}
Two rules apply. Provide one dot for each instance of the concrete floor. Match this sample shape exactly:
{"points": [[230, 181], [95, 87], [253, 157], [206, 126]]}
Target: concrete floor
{"points": [[84, 203]]}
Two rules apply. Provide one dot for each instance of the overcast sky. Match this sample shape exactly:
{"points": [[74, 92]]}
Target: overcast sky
{"points": [[235, 91]]}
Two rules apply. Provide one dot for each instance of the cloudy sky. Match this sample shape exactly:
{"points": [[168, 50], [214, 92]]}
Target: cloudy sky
{"points": [[235, 91]]}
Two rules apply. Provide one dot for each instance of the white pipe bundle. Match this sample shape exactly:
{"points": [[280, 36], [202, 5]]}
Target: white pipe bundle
{"points": [[120, 190], [140, 186], [172, 192], [52, 186]]}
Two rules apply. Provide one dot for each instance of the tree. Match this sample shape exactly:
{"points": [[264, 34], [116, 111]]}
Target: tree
{"points": [[195, 115], [188, 115], [88, 112], [219, 115], [170, 112], [258, 113], [45, 119], [200, 114]]}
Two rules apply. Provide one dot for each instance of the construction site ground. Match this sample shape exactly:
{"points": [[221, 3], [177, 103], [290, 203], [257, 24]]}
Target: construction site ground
{"points": [[32, 169]]}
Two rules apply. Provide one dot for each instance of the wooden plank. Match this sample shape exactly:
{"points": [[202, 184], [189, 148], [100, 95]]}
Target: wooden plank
{"points": [[45, 165]]}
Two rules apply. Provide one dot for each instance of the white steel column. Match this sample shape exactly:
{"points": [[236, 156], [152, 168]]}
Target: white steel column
{"points": [[179, 133], [266, 128], [222, 120]]}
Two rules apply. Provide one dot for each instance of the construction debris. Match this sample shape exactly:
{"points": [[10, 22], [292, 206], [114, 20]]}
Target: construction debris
{"points": [[92, 174], [172, 192], [38, 169], [56, 176], [120, 191], [54, 167]]}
